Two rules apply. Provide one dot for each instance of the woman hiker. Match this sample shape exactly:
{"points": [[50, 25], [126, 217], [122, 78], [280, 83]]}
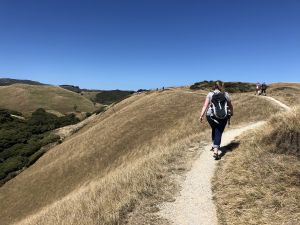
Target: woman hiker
{"points": [[218, 110]]}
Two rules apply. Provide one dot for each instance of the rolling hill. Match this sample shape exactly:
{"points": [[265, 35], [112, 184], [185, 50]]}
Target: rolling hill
{"points": [[103, 97], [124, 155], [27, 98], [9, 81]]}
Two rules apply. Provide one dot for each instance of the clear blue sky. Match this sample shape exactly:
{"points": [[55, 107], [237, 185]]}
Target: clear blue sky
{"points": [[109, 44]]}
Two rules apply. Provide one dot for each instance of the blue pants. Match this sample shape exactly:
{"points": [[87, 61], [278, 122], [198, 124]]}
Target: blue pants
{"points": [[216, 130]]}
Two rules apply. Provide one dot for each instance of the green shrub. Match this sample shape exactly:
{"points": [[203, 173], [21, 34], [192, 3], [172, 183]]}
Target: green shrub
{"points": [[41, 121], [29, 149], [5, 117], [73, 88], [13, 164], [2, 175], [21, 141], [15, 150], [49, 139], [100, 110], [11, 112], [34, 157], [67, 120], [232, 87]]}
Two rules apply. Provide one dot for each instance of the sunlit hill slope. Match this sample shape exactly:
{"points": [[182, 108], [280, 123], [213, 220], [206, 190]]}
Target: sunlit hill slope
{"points": [[102, 172], [27, 98]]}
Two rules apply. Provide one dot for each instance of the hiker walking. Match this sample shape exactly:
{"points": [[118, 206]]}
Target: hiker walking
{"points": [[218, 109], [258, 89], [263, 89]]}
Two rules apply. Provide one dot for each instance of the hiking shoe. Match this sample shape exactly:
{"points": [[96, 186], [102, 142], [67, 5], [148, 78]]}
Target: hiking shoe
{"points": [[216, 156]]}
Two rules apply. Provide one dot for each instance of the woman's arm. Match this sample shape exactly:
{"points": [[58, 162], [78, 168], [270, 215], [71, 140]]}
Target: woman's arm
{"points": [[204, 108]]}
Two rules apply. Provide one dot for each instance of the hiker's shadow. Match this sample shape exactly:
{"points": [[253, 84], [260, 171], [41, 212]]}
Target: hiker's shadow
{"points": [[229, 148]]}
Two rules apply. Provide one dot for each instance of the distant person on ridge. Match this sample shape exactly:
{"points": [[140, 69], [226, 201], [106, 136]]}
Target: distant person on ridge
{"points": [[263, 89], [218, 110], [258, 88]]}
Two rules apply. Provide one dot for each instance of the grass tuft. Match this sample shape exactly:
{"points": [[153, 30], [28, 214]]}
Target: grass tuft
{"points": [[284, 136]]}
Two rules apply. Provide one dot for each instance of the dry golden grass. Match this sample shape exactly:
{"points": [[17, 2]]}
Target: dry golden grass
{"points": [[107, 168], [255, 184], [27, 98], [90, 94], [125, 136], [287, 93], [249, 108]]}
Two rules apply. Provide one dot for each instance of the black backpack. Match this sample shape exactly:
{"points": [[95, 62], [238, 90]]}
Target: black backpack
{"points": [[219, 105]]}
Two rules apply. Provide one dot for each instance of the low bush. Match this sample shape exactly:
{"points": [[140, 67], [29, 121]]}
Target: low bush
{"points": [[10, 112], [100, 110], [13, 164]]}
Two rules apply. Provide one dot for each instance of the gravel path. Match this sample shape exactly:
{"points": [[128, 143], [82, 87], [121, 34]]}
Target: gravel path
{"points": [[194, 205]]}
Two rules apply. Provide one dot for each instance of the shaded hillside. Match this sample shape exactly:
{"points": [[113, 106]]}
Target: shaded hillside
{"points": [[109, 97], [9, 81], [231, 87], [103, 97], [73, 88], [106, 97], [28, 98], [103, 171]]}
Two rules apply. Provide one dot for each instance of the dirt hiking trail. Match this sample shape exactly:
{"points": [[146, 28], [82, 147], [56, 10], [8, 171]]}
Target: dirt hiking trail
{"points": [[282, 105], [194, 204]]}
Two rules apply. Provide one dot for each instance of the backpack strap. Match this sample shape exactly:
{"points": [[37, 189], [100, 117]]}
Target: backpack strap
{"points": [[216, 121]]}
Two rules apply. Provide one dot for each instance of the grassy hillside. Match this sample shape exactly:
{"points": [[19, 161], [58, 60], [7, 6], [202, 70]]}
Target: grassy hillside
{"points": [[103, 97], [258, 182], [9, 81], [27, 98], [91, 95], [105, 170], [286, 92]]}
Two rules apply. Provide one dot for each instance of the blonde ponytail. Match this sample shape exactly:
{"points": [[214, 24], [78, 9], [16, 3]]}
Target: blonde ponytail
{"points": [[219, 85]]}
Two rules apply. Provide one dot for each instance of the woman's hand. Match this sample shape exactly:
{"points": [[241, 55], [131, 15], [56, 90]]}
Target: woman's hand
{"points": [[204, 108], [201, 119]]}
